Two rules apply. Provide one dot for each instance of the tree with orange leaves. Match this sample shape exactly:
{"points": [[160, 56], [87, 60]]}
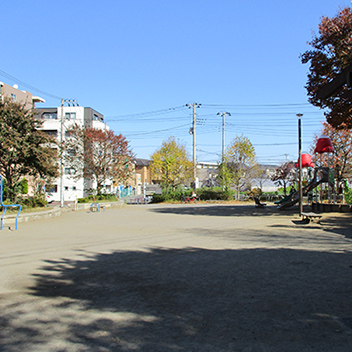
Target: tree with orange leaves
{"points": [[98, 155], [331, 53]]}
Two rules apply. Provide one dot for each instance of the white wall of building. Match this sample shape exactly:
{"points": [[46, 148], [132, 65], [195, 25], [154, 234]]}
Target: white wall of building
{"points": [[56, 122]]}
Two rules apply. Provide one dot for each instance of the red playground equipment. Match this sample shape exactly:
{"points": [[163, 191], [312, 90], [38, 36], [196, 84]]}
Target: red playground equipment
{"points": [[322, 174]]}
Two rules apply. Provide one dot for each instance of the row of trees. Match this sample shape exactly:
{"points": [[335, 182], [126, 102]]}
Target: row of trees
{"points": [[27, 151], [172, 167], [98, 155]]}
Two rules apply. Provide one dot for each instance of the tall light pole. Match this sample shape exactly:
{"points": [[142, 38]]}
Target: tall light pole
{"points": [[193, 132], [300, 164], [223, 114]]}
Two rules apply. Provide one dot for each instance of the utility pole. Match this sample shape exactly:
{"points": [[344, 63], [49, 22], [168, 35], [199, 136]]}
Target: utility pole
{"points": [[223, 114], [300, 164], [193, 132]]}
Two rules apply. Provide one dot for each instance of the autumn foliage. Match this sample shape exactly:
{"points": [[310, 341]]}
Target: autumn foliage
{"points": [[98, 155], [331, 52], [170, 164]]}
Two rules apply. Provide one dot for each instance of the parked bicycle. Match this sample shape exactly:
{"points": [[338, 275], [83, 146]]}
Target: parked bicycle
{"points": [[189, 199]]}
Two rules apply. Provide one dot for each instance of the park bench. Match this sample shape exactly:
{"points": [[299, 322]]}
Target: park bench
{"points": [[258, 204], [311, 216]]}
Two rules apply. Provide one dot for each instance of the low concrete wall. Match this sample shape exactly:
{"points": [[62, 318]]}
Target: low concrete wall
{"points": [[333, 208], [53, 212]]}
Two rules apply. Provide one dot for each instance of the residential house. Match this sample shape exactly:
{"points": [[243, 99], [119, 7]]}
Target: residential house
{"points": [[142, 175], [206, 173]]}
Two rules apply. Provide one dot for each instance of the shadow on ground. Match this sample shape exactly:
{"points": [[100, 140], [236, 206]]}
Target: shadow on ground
{"points": [[338, 223], [188, 299], [224, 210]]}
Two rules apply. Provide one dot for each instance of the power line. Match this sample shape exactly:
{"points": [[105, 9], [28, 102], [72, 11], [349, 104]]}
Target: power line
{"points": [[4, 74]]}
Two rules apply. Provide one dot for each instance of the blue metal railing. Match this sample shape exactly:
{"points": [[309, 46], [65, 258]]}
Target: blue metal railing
{"points": [[5, 206]]}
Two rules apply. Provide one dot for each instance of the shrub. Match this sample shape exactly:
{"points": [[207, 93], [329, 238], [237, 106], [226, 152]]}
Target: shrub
{"points": [[82, 200], [33, 202], [255, 192], [40, 202], [215, 193], [348, 194], [24, 186], [98, 197], [158, 198]]}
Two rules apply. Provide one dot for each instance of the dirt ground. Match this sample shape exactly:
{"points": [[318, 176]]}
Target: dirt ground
{"points": [[177, 278]]}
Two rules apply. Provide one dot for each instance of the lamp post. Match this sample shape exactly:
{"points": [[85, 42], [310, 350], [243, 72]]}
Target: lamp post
{"points": [[300, 164]]}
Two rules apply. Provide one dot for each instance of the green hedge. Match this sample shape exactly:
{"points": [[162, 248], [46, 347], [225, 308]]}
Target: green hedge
{"points": [[99, 197], [171, 196], [215, 193], [202, 194], [30, 202], [348, 194]]}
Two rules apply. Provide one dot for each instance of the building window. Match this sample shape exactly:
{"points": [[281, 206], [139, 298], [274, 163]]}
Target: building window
{"points": [[53, 189], [49, 115], [70, 115], [52, 133], [98, 118], [13, 97], [74, 188], [71, 152], [69, 171], [66, 188]]}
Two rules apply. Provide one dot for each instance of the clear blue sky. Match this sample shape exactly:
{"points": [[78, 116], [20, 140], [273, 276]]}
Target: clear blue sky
{"points": [[138, 62]]}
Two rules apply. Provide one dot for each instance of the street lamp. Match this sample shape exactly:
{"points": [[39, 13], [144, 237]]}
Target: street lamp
{"points": [[299, 116]]}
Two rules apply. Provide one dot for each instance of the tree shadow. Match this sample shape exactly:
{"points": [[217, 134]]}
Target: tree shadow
{"points": [[223, 210], [190, 299], [338, 223]]}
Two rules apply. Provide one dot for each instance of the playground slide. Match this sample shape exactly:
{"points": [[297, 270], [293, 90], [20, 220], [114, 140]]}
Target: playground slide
{"points": [[283, 200], [320, 176]]}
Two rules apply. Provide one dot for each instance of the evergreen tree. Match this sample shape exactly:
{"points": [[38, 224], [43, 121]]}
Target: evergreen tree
{"points": [[24, 149]]}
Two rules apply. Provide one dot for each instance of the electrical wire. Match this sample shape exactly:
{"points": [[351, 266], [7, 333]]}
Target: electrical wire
{"points": [[14, 79]]}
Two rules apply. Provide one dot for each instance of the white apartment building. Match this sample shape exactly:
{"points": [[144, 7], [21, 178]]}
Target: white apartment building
{"points": [[56, 122]]}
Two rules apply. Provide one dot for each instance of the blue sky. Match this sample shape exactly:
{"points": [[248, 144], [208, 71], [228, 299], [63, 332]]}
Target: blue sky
{"points": [[140, 62]]}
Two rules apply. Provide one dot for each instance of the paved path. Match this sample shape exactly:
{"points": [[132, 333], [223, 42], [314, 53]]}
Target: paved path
{"points": [[177, 278]]}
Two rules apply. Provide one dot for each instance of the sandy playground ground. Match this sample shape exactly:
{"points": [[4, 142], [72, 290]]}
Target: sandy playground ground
{"points": [[177, 278]]}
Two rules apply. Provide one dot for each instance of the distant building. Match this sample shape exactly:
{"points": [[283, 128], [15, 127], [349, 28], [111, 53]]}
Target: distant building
{"points": [[143, 178], [20, 96], [206, 174]]}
